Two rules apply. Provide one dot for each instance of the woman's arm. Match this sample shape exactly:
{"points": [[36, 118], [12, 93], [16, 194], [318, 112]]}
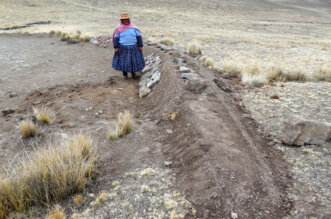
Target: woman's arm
{"points": [[116, 42], [139, 40]]}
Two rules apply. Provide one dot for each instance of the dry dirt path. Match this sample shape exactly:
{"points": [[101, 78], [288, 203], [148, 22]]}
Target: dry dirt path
{"points": [[209, 160]]}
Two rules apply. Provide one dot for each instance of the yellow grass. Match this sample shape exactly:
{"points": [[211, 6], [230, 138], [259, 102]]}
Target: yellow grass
{"points": [[52, 32], [209, 62], [57, 213], [44, 114], [74, 37], [58, 33], [65, 34], [194, 48], [101, 197], [78, 199], [278, 74], [121, 127], [323, 74], [48, 175], [167, 42], [28, 129], [85, 38], [232, 68], [78, 32]]}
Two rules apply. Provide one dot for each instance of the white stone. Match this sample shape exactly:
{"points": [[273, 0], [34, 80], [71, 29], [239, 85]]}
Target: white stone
{"points": [[184, 69]]}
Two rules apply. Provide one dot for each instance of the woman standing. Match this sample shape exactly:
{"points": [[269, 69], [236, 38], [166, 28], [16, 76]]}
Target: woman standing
{"points": [[128, 46]]}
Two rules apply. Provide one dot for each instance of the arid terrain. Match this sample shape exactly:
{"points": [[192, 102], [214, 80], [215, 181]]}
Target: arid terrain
{"points": [[221, 155]]}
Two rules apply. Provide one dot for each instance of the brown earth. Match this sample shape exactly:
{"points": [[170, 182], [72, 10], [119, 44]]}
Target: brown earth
{"points": [[221, 164]]}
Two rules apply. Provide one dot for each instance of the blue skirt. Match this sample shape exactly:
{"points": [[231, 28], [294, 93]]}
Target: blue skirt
{"points": [[129, 59]]}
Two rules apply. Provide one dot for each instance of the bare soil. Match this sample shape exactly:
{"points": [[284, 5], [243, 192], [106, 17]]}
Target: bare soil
{"points": [[221, 164]]}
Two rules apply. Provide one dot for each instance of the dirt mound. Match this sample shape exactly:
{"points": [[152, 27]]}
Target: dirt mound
{"points": [[221, 164]]}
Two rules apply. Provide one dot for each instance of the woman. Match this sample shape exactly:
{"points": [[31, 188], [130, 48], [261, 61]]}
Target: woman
{"points": [[128, 46]]}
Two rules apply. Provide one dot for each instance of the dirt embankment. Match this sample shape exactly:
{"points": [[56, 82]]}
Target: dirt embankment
{"points": [[221, 164]]}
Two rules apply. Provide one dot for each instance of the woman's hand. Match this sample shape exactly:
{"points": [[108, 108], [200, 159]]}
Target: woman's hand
{"points": [[117, 50], [141, 49]]}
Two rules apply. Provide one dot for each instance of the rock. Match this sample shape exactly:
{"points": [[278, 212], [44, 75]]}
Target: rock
{"points": [[167, 163], [64, 38], [237, 98], [146, 69], [73, 41], [183, 69], [165, 48], [6, 112], [144, 92], [151, 44], [275, 96], [186, 75], [221, 84], [179, 60], [300, 132], [226, 75], [196, 84], [234, 215]]}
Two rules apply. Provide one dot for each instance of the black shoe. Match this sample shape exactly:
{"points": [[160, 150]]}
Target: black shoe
{"points": [[125, 75], [133, 75]]}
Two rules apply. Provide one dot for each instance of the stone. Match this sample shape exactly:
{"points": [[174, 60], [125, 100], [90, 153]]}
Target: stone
{"points": [[151, 44], [146, 69], [226, 75], [224, 86], [186, 75], [275, 96], [196, 84], [237, 98], [179, 60], [234, 215], [64, 38], [300, 132], [167, 163], [6, 112], [183, 69], [144, 92], [70, 41], [165, 48]]}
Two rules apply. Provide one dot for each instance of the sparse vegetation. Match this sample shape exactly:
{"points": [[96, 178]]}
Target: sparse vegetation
{"points": [[64, 34], [167, 42], [57, 213], [323, 74], [209, 62], [78, 199], [121, 127], [194, 48], [58, 33], [44, 114], [85, 38], [101, 197], [48, 175], [52, 32], [74, 37], [278, 74], [232, 68], [28, 129], [78, 32]]}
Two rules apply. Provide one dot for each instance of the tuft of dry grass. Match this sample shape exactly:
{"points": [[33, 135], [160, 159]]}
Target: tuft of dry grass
{"points": [[253, 79], [52, 32], [323, 74], [44, 114], [194, 48], [47, 175], [58, 33], [85, 38], [277, 74], [74, 37], [232, 68], [209, 62], [57, 213], [78, 199], [101, 197], [78, 32], [28, 129], [64, 34], [167, 42], [121, 127]]}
